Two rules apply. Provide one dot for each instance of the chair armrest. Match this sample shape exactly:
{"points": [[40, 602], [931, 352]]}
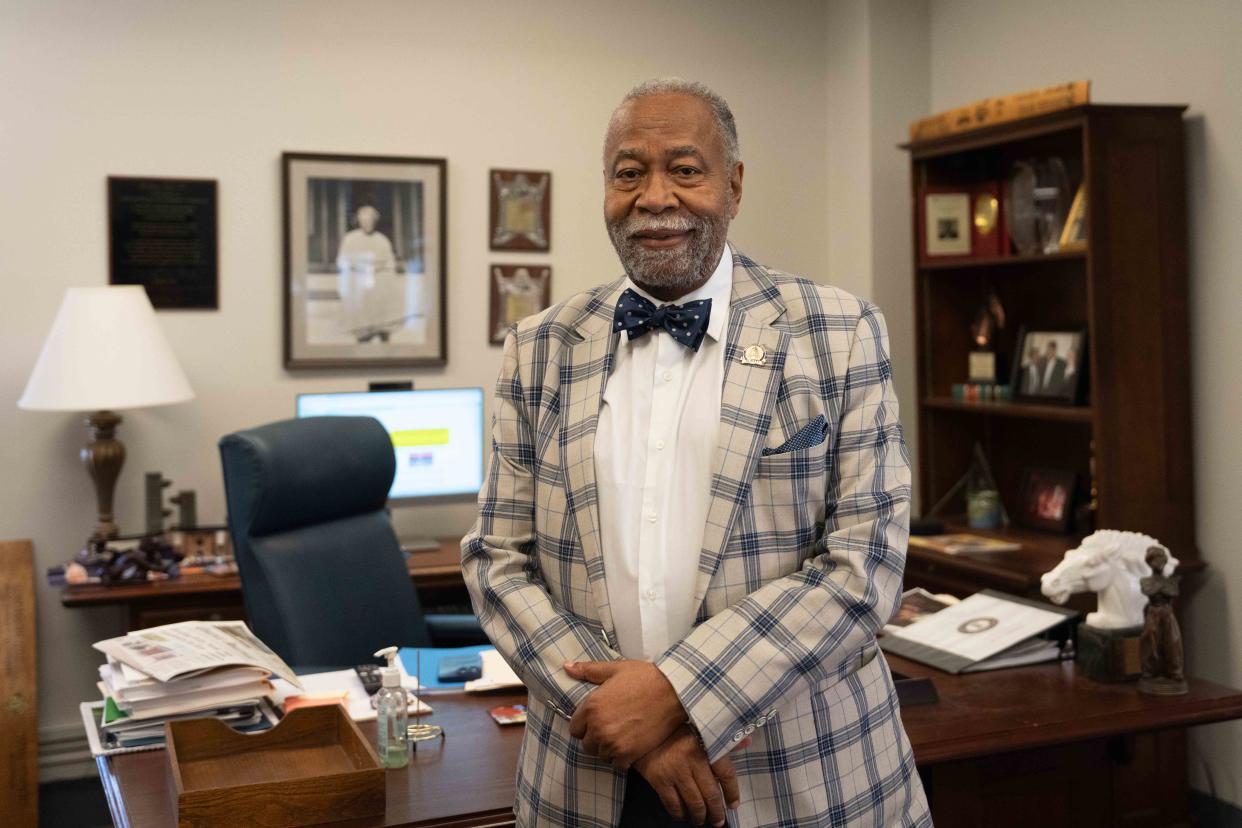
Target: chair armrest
{"points": [[455, 630]]}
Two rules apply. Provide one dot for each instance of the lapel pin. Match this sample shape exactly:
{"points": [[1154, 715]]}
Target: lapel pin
{"points": [[754, 355]]}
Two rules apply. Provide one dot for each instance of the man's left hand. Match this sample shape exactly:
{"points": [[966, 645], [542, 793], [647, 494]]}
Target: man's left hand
{"points": [[632, 712]]}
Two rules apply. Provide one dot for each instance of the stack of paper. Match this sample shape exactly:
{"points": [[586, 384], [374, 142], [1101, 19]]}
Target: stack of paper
{"points": [[179, 671]]}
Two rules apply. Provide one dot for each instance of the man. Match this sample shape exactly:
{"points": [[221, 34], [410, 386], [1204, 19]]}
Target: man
{"points": [[695, 518], [1052, 371], [368, 283]]}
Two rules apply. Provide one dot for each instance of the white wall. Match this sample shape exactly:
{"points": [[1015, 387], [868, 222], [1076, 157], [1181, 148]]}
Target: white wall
{"points": [[1153, 51], [219, 89], [877, 53]]}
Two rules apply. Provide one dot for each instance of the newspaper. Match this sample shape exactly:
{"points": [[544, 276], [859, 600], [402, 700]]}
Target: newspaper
{"points": [[190, 648]]}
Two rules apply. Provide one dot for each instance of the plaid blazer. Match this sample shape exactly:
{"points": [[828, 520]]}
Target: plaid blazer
{"points": [[801, 563]]}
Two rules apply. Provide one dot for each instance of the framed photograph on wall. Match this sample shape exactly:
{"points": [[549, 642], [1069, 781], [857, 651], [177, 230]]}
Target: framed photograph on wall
{"points": [[1049, 365], [1047, 499], [520, 210], [365, 261], [516, 291]]}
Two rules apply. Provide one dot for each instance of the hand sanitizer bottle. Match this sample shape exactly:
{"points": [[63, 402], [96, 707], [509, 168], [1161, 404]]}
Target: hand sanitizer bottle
{"points": [[392, 737]]}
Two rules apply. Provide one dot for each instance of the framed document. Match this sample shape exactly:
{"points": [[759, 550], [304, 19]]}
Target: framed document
{"points": [[946, 224], [365, 261], [517, 291], [162, 234], [520, 209]]}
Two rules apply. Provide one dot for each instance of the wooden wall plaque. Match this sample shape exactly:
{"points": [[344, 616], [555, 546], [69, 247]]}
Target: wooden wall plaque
{"points": [[19, 749]]}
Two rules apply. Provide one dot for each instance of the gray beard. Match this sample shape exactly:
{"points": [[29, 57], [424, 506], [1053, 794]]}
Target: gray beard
{"points": [[681, 269]]}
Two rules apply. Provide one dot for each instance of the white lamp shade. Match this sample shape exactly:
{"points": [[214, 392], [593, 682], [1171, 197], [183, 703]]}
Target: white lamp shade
{"points": [[105, 351]]}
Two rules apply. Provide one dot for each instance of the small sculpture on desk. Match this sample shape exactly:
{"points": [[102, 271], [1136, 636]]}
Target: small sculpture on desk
{"points": [[119, 561], [1160, 645], [1110, 564]]}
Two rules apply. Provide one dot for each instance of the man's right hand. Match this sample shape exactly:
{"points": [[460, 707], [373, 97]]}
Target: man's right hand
{"points": [[688, 786]]}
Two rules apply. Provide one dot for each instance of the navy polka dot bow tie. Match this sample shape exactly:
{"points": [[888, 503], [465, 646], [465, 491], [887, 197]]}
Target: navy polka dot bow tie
{"points": [[686, 323]]}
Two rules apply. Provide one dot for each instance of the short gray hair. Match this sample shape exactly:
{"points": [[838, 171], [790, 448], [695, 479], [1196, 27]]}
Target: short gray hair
{"points": [[723, 116]]}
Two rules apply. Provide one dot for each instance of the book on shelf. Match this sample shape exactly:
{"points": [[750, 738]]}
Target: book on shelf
{"points": [[987, 631], [960, 543]]}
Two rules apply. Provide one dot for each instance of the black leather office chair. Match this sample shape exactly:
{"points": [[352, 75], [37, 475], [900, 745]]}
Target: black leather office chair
{"points": [[322, 574]]}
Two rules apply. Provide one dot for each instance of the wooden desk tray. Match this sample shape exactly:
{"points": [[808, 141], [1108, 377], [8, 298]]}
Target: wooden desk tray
{"points": [[315, 766]]}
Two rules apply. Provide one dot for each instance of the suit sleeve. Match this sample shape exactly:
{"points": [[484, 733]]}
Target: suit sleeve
{"points": [[809, 628], [500, 564]]}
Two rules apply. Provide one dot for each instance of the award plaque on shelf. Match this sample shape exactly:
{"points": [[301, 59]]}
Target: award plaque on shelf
{"points": [[988, 237]]}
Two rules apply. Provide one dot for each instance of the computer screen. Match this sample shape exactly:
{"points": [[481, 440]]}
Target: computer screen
{"points": [[437, 435]]}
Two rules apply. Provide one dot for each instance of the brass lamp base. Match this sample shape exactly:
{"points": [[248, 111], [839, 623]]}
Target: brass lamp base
{"points": [[103, 457]]}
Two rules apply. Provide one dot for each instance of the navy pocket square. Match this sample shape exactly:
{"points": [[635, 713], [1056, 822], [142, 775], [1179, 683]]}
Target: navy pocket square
{"points": [[811, 434]]}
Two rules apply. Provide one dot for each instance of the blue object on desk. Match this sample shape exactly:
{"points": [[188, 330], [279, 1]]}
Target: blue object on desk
{"points": [[428, 671]]}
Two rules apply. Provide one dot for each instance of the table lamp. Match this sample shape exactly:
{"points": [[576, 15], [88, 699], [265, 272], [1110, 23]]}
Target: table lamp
{"points": [[105, 352]]}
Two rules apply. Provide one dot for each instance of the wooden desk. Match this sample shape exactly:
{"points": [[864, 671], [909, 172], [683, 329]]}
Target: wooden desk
{"points": [[469, 781], [436, 574], [1040, 745]]}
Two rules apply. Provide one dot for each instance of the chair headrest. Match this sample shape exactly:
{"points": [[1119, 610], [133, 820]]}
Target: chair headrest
{"points": [[295, 473]]}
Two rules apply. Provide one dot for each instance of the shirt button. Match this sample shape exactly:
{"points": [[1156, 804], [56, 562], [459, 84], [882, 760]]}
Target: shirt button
{"points": [[659, 445], [651, 517], [651, 595], [668, 376]]}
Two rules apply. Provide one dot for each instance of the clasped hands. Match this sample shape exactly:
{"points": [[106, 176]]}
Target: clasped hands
{"points": [[634, 719]]}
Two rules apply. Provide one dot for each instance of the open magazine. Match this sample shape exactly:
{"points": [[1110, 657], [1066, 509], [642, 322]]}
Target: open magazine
{"points": [[191, 648]]}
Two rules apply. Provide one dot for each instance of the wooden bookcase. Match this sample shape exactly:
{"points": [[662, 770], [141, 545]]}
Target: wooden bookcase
{"points": [[1127, 289]]}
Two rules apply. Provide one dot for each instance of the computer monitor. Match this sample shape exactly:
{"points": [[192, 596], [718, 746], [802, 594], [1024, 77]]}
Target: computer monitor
{"points": [[437, 435]]}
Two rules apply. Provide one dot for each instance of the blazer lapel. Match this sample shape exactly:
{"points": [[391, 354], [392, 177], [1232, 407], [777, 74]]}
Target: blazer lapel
{"points": [[583, 376], [746, 403]]}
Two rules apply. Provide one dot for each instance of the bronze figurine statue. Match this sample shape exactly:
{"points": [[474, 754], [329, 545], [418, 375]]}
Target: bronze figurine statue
{"points": [[1160, 646]]}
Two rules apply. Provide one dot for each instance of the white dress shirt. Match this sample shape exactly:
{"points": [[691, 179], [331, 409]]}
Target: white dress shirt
{"points": [[654, 449]]}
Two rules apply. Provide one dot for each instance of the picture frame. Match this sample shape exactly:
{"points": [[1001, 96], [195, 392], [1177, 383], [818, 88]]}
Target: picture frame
{"points": [[519, 210], [163, 234], [1046, 499], [1074, 233], [365, 261], [1049, 365], [946, 224], [515, 291]]}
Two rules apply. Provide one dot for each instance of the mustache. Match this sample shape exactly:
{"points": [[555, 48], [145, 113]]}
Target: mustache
{"points": [[668, 224]]}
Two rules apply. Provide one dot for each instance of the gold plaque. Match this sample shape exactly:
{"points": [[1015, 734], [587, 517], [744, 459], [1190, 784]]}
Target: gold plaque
{"points": [[986, 211]]}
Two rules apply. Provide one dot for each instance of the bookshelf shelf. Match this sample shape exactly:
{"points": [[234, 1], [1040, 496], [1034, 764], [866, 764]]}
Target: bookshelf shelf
{"points": [[1014, 261], [1054, 413]]}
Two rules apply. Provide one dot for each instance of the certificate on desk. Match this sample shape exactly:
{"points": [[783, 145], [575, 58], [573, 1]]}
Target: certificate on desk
{"points": [[977, 628]]}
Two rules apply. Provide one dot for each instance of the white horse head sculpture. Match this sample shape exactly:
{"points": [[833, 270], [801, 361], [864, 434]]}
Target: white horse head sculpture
{"points": [[1110, 564]]}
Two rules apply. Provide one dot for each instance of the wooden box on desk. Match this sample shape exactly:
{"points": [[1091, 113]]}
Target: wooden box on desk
{"points": [[315, 766]]}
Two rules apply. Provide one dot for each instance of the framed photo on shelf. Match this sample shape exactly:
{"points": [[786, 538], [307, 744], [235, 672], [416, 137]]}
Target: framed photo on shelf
{"points": [[946, 223], [516, 291], [1047, 499], [520, 210], [1049, 364], [163, 234], [1074, 234], [365, 282]]}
